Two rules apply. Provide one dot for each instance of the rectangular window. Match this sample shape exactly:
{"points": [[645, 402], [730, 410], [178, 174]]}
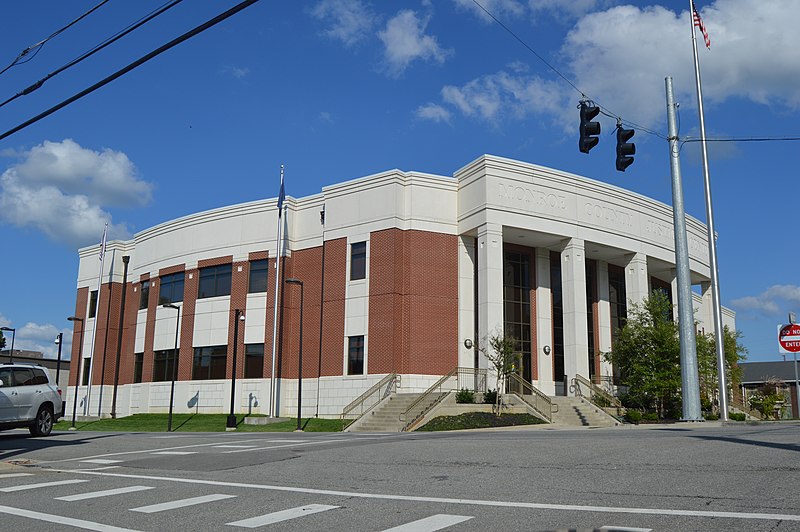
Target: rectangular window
{"points": [[86, 365], [164, 365], [358, 261], [93, 304], [355, 355], [144, 294], [209, 362], [171, 290], [215, 281], [138, 364], [253, 361], [259, 269]]}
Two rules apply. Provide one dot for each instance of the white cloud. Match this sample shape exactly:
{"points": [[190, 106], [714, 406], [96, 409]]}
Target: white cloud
{"points": [[433, 112], [772, 301], [38, 337], [501, 9], [349, 21], [63, 190], [236, 72], [566, 9], [405, 41]]}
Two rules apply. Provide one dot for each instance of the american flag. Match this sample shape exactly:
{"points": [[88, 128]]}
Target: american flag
{"points": [[103, 243], [281, 195], [699, 23]]}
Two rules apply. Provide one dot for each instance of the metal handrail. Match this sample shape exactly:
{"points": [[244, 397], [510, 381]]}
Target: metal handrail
{"points": [[597, 396], [734, 403], [533, 397], [370, 399], [447, 383]]}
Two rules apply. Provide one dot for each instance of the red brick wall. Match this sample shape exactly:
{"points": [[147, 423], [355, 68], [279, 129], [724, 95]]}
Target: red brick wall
{"points": [[150, 329], [129, 335], [413, 302], [239, 283], [77, 330], [185, 350], [333, 309]]}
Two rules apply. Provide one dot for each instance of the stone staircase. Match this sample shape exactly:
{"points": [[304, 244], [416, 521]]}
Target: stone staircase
{"points": [[578, 412], [386, 416]]}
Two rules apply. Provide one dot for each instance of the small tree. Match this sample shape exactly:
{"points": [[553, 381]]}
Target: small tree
{"points": [[769, 398], [2, 341], [499, 351], [735, 353]]}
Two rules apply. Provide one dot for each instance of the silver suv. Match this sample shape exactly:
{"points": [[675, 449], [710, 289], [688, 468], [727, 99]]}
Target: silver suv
{"points": [[28, 398]]}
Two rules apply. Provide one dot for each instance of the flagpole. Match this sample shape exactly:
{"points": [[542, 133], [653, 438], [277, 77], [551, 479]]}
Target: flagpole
{"points": [[712, 244], [272, 390], [94, 325]]}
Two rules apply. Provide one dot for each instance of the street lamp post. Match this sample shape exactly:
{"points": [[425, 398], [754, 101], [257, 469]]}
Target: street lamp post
{"points": [[300, 354], [78, 373], [174, 363], [231, 424], [59, 341], [13, 335]]}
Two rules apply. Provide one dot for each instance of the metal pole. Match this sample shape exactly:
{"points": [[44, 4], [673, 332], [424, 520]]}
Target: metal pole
{"points": [[105, 338], [719, 332], [78, 373], [125, 259], [231, 424], [59, 341], [11, 353], [690, 382], [94, 323], [272, 380], [299, 356], [321, 309], [175, 358]]}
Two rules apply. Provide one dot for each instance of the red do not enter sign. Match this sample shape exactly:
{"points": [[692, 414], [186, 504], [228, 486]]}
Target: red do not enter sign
{"points": [[789, 338]]}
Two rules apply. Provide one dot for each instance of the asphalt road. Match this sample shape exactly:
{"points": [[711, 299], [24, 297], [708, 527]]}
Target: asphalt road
{"points": [[678, 477]]}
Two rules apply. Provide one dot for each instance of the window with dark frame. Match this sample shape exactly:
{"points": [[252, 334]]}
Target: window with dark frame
{"points": [[164, 365], [171, 289], [93, 304], [355, 355], [215, 281], [138, 364], [259, 270], [253, 361], [86, 366], [358, 261], [144, 294], [209, 362]]}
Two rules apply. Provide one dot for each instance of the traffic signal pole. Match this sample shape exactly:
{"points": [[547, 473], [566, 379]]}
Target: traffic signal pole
{"points": [[690, 382]]}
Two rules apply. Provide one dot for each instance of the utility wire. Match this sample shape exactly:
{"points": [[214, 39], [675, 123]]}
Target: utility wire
{"points": [[97, 48], [36, 48], [188, 35]]}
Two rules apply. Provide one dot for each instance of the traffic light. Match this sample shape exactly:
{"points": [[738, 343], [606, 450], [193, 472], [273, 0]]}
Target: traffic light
{"points": [[589, 129], [624, 148]]}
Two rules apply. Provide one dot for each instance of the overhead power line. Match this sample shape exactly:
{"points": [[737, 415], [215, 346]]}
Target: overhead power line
{"points": [[33, 50], [97, 48], [188, 35]]}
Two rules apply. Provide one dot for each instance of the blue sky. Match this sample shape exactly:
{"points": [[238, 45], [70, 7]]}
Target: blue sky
{"points": [[336, 90]]}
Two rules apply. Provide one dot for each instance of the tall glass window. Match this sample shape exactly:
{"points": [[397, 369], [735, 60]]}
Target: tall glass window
{"points": [[517, 306], [358, 261], [558, 320], [355, 355], [259, 270], [138, 364], [86, 366], [171, 290], [215, 281], [164, 364], [144, 294], [617, 299], [93, 304], [253, 361], [209, 362], [591, 308]]}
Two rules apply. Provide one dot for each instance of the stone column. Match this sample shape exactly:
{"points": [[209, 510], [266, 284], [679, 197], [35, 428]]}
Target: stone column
{"points": [[573, 289], [706, 314], [544, 321], [637, 285], [603, 318], [466, 300], [490, 284]]}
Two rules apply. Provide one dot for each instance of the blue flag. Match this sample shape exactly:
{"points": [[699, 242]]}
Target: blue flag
{"points": [[281, 196]]}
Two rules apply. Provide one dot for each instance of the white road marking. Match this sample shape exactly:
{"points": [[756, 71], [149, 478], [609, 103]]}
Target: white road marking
{"points": [[624, 529], [10, 451], [12, 475], [178, 453], [103, 493], [104, 468], [283, 515], [468, 502], [60, 520], [101, 461], [429, 524], [42, 485], [286, 441], [181, 503], [318, 442], [234, 446]]}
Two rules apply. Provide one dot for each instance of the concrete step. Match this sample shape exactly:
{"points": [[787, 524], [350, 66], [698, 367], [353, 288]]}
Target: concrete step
{"points": [[576, 411]]}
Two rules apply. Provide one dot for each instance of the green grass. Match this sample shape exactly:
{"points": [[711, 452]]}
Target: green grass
{"points": [[197, 423], [479, 420]]}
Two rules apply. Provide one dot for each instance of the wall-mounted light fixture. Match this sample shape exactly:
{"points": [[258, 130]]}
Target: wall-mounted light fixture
{"points": [[546, 349], [468, 343]]}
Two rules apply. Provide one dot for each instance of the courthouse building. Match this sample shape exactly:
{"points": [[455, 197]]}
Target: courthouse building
{"points": [[399, 270]]}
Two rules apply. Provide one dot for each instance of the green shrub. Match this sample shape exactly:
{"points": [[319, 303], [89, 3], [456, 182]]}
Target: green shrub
{"points": [[633, 416], [711, 416], [490, 397], [737, 416], [465, 396], [650, 416]]}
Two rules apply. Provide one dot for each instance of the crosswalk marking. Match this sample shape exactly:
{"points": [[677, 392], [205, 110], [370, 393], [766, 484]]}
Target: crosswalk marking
{"points": [[161, 507], [7, 451], [283, 515], [101, 461], [234, 446], [103, 493], [178, 453], [41, 485], [61, 520], [12, 475], [429, 524]]}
